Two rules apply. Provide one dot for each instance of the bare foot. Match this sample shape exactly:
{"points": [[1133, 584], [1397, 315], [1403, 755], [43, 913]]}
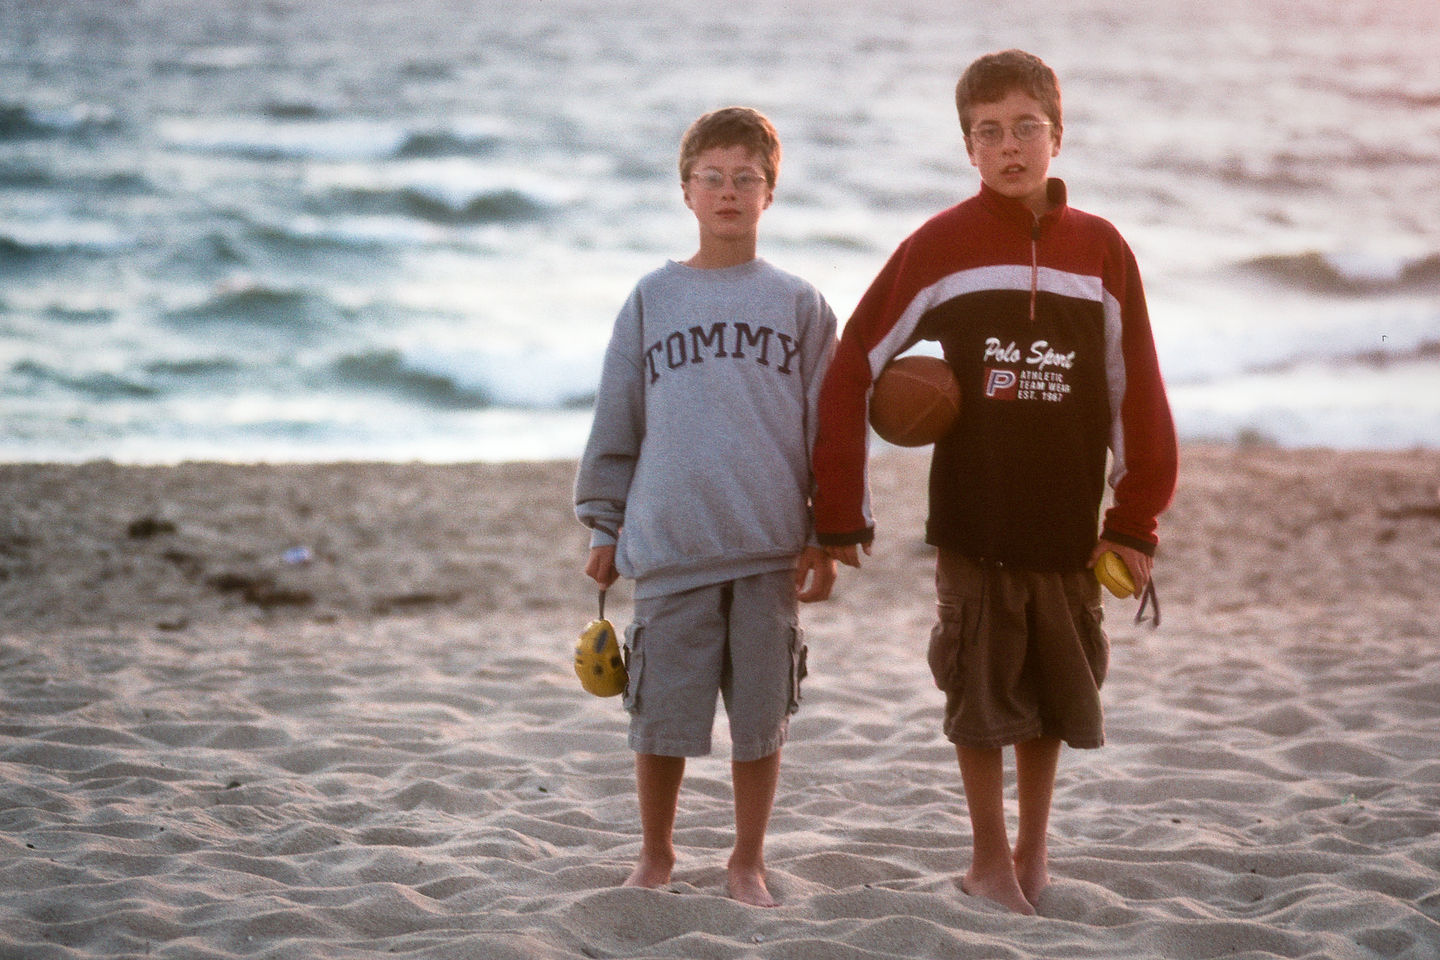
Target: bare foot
{"points": [[1033, 874], [650, 873], [748, 886], [1003, 889]]}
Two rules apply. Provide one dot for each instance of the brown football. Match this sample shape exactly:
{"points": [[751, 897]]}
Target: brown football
{"points": [[915, 401]]}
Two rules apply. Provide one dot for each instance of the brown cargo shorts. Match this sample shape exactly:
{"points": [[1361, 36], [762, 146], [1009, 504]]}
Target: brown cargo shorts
{"points": [[1019, 654]]}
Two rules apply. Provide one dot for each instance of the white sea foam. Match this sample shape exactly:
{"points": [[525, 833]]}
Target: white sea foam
{"points": [[1390, 406], [323, 140], [60, 234], [454, 183]]}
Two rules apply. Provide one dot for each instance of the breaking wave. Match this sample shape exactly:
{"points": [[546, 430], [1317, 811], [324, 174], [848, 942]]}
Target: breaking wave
{"points": [[1350, 274]]}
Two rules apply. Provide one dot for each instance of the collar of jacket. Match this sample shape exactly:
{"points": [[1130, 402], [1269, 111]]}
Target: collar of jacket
{"points": [[1015, 211]]}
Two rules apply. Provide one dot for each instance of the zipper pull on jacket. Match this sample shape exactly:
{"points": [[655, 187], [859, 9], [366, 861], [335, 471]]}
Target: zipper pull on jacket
{"points": [[1034, 265]]}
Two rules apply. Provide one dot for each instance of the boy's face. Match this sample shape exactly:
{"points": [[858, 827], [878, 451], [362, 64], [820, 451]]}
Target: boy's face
{"points": [[1012, 167], [728, 191]]}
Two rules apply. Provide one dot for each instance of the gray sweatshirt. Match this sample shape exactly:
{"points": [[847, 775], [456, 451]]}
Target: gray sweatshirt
{"points": [[698, 463]]}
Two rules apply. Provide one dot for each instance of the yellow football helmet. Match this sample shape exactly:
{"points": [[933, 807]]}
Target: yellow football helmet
{"points": [[598, 661], [1111, 571]]}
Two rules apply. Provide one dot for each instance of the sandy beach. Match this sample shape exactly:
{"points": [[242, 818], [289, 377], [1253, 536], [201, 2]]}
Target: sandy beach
{"points": [[327, 711]]}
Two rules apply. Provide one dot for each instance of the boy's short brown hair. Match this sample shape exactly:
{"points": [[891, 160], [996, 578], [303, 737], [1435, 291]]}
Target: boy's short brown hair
{"points": [[732, 127], [992, 77]]}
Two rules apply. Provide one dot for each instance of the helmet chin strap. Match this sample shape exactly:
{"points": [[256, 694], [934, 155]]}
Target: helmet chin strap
{"points": [[1152, 599]]}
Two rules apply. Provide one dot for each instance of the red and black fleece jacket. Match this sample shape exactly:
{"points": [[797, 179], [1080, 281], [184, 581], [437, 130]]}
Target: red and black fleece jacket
{"points": [[1044, 322]]}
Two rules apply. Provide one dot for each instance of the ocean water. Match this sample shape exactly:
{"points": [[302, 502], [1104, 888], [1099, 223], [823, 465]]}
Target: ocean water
{"points": [[401, 229]]}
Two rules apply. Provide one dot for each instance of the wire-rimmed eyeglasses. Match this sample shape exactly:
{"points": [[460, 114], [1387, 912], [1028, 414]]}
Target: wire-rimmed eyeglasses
{"points": [[715, 180], [993, 134]]}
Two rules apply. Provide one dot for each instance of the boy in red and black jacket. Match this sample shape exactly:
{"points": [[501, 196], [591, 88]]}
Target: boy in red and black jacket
{"points": [[1040, 313]]}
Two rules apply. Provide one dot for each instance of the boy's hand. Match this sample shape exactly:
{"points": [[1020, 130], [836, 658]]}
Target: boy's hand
{"points": [[1136, 562], [601, 566], [816, 566], [848, 554]]}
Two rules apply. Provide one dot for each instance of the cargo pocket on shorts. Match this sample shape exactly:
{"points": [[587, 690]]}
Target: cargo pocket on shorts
{"points": [[634, 664], [799, 669], [1089, 619], [946, 638]]}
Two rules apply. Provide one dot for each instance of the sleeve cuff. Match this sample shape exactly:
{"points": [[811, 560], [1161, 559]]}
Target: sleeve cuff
{"points": [[846, 539], [1134, 543]]}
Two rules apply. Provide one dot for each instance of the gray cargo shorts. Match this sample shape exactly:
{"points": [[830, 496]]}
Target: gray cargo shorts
{"points": [[741, 640]]}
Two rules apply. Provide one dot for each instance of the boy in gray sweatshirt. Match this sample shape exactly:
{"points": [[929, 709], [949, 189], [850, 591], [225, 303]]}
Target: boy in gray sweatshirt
{"points": [[696, 484]]}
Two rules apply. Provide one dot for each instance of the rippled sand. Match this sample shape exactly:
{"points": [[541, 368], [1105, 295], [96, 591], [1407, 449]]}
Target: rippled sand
{"points": [[376, 745]]}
